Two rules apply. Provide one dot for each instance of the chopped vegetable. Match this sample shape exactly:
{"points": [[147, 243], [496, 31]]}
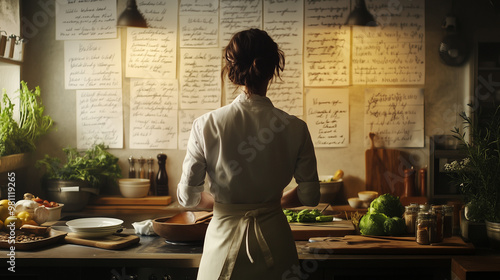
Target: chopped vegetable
{"points": [[387, 204], [306, 216]]}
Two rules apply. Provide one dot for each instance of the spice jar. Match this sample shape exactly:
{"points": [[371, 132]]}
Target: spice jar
{"points": [[437, 232], [131, 168], [424, 228], [448, 221], [410, 217], [409, 182]]}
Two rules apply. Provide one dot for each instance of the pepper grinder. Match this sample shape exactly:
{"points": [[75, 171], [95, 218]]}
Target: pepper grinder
{"points": [[162, 177], [151, 176], [142, 171], [131, 168]]}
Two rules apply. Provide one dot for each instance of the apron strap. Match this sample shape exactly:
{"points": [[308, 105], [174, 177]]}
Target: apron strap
{"points": [[242, 231]]}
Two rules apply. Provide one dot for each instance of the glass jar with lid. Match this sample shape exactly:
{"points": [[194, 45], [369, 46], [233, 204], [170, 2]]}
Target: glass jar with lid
{"points": [[448, 222], [410, 217], [424, 228]]}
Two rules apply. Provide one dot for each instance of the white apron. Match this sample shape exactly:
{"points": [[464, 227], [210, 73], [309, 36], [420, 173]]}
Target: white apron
{"points": [[248, 241]]}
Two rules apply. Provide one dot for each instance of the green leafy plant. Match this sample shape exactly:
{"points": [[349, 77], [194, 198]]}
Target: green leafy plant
{"points": [[21, 136], [93, 165], [478, 174]]}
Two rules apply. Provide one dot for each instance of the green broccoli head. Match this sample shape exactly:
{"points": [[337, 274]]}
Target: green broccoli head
{"points": [[394, 226], [372, 224], [387, 204]]}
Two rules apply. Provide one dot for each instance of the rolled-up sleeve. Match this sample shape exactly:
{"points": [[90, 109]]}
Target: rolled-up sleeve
{"points": [[194, 168], [306, 173]]}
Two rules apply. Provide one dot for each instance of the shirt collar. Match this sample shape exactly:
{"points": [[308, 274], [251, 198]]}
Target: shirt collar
{"points": [[254, 98]]}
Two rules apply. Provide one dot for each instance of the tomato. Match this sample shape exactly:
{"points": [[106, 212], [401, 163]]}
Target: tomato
{"points": [[13, 219], [25, 216], [38, 200], [53, 204]]}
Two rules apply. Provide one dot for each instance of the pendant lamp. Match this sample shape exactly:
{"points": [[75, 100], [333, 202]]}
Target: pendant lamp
{"points": [[131, 17], [360, 15]]}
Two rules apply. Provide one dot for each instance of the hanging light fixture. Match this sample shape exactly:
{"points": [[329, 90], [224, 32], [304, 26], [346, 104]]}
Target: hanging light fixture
{"points": [[131, 17], [360, 15]]}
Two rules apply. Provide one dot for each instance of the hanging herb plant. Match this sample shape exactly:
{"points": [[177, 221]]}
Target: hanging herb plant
{"points": [[21, 136]]}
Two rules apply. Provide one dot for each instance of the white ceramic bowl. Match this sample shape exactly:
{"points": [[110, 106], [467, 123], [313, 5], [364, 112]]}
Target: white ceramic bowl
{"points": [[367, 195], [355, 202], [54, 212], [134, 187]]}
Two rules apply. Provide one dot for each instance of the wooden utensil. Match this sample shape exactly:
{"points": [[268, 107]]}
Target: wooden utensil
{"points": [[384, 169]]}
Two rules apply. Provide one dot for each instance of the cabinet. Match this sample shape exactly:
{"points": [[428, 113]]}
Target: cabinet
{"points": [[485, 92]]}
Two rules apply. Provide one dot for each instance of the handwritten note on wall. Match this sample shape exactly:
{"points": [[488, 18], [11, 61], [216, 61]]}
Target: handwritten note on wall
{"points": [[327, 43], [238, 15], [160, 14], [393, 52], [99, 118], [76, 20], [200, 78], [284, 23], [153, 114], [151, 53], [186, 118], [396, 116], [92, 64], [199, 22], [327, 115]]}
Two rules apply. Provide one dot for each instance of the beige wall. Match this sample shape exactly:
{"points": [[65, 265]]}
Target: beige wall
{"points": [[446, 91]]}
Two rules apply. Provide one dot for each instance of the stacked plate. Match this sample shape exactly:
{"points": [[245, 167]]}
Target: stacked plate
{"points": [[94, 227]]}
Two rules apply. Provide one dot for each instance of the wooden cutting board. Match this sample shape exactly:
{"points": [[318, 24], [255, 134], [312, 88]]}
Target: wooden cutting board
{"points": [[112, 242], [307, 231], [358, 244], [384, 170], [119, 202]]}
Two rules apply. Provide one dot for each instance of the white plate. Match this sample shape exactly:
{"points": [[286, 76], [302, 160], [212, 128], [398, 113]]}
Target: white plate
{"points": [[94, 223]]}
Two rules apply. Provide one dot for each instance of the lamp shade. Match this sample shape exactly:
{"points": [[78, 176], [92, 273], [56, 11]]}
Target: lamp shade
{"points": [[131, 17], [360, 15]]}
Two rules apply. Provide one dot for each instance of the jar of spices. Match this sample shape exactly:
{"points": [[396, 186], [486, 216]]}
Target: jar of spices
{"points": [[131, 168], [424, 228], [448, 221], [437, 233], [410, 217]]}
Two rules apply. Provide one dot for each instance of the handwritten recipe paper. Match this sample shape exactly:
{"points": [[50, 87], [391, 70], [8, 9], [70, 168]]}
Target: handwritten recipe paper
{"points": [[186, 119], [238, 15], [392, 53], [200, 78], [160, 14], [153, 114], [99, 118], [284, 23], [396, 116], [327, 43], [199, 23], [77, 21], [151, 53], [327, 115], [92, 64]]}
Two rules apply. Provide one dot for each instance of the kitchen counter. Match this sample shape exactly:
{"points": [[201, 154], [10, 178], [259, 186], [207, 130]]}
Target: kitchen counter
{"points": [[155, 256]]}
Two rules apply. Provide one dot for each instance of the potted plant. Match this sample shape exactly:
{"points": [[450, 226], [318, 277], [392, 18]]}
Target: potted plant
{"points": [[83, 174], [19, 135], [478, 174]]}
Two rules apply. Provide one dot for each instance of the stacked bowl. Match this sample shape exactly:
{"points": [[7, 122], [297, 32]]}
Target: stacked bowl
{"points": [[134, 187], [94, 227]]}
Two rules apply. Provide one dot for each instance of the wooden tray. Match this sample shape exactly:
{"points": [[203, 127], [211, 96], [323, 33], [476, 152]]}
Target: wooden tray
{"points": [[112, 242], [54, 237], [358, 244]]}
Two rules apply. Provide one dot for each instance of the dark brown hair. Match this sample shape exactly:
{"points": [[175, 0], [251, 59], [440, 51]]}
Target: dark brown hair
{"points": [[252, 59]]}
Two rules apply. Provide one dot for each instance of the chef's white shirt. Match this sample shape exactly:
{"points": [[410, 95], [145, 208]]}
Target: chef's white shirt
{"points": [[249, 151]]}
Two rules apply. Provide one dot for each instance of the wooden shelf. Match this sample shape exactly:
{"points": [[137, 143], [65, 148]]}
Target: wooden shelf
{"points": [[10, 61], [13, 162]]}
